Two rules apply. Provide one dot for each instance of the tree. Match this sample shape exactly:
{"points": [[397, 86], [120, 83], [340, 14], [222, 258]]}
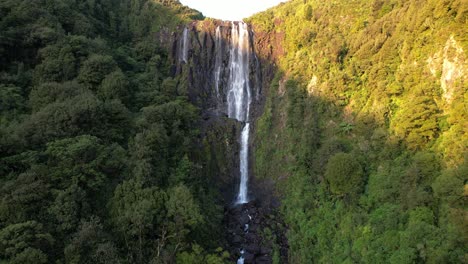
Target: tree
{"points": [[68, 208], [90, 244], [307, 12], [183, 214], [82, 114], [344, 174], [95, 69], [83, 160], [137, 213], [23, 198], [115, 86], [10, 98], [416, 120], [50, 92], [197, 255], [26, 242]]}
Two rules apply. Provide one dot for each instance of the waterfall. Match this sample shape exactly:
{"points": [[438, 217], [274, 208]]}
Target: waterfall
{"points": [[238, 98], [238, 95], [183, 49], [244, 165], [220, 77], [218, 60]]}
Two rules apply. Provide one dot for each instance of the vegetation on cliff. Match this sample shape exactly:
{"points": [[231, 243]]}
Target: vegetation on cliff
{"points": [[364, 129]]}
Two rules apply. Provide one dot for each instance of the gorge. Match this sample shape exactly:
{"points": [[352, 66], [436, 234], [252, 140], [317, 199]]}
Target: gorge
{"points": [[141, 131]]}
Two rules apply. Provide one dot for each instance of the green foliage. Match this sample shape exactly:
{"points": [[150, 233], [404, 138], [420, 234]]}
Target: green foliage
{"points": [[344, 174], [97, 137], [182, 209], [359, 109], [136, 212], [198, 256], [114, 86], [25, 242], [307, 9], [90, 245]]}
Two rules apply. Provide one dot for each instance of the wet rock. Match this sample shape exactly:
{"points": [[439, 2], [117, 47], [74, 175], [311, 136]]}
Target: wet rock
{"points": [[265, 250], [236, 210], [253, 228], [251, 237], [244, 219], [236, 240], [253, 211], [253, 248], [263, 260], [248, 258]]}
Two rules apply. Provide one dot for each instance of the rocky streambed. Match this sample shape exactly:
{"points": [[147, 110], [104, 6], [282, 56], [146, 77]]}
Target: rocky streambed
{"points": [[257, 232]]}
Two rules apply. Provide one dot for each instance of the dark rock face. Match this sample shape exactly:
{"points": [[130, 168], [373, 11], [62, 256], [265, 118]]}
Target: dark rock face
{"points": [[201, 67], [206, 51], [257, 244]]}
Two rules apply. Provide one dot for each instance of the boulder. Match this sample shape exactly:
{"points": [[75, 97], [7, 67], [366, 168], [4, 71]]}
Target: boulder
{"points": [[263, 260], [265, 250], [236, 240], [248, 258], [253, 248]]}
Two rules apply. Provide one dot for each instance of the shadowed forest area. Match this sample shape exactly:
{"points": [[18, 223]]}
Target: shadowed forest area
{"points": [[365, 129]]}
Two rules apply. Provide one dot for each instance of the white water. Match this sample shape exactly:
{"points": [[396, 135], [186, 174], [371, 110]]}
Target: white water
{"points": [[183, 51], [238, 96], [244, 165], [238, 99], [218, 59], [241, 259]]}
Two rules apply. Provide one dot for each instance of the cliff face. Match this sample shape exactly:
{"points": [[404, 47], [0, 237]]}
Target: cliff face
{"points": [[201, 54], [212, 61], [207, 55]]}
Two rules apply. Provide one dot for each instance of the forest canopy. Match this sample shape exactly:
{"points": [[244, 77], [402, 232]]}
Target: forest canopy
{"points": [[96, 146]]}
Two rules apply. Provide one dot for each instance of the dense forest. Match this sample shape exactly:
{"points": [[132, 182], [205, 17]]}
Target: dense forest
{"points": [[365, 129], [97, 158], [363, 132]]}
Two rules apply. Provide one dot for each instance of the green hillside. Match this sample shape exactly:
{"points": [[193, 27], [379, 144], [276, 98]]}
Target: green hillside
{"points": [[365, 129], [96, 145]]}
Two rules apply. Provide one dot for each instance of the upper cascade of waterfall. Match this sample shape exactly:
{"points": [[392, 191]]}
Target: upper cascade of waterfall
{"points": [[238, 92], [223, 66], [183, 50]]}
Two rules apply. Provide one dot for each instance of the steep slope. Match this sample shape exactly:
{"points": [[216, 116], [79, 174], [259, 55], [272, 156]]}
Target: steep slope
{"points": [[98, 149], [364, 128]]}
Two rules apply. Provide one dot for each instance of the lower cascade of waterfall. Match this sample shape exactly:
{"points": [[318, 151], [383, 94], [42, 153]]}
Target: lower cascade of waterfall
{"points": [[242, 196]]}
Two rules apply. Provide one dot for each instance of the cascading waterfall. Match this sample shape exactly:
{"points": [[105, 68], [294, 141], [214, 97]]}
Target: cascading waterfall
{"points": [[244, 165], [238, 104], [183, 50], [231, 76], [238, 98], [218, 60]]}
